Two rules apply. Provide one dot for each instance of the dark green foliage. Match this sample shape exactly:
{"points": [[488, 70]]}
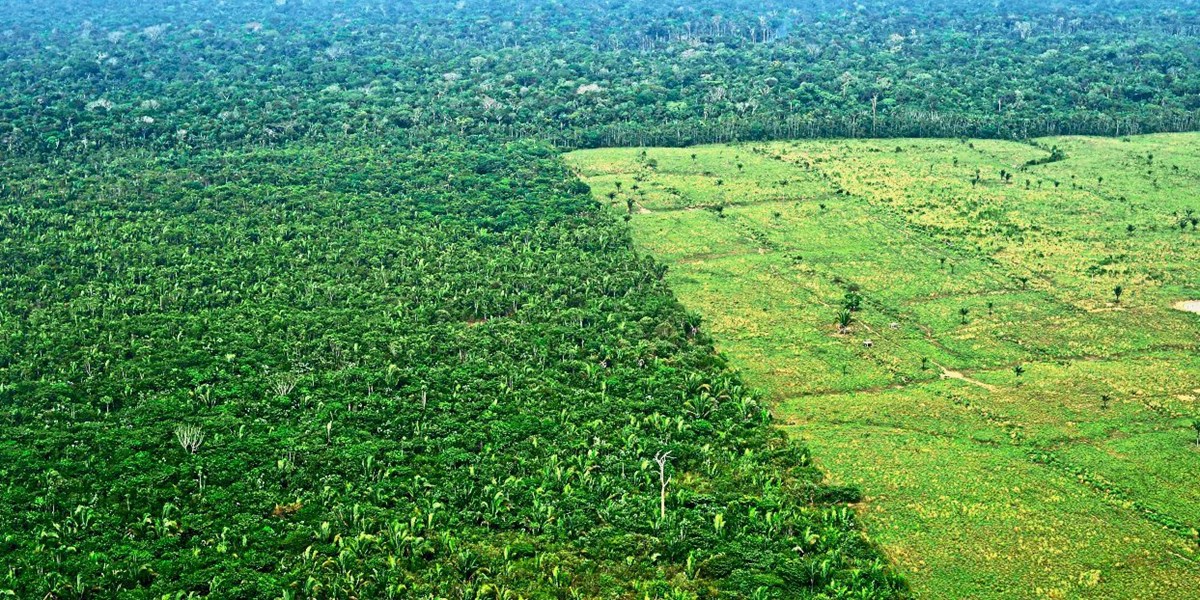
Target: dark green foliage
{"points": [[433, 373], [852, 301], [194, 73]]}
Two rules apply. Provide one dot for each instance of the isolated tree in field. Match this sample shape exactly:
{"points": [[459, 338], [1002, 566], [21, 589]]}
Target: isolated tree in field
{"points": [[1018, 370], [962, 314], [852, 301], [844, 318], [1105, 400], [1117, 291]]}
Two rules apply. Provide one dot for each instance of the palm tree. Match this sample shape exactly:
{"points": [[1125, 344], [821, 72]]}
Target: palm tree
{"points": [[962, 314], [844, 318], [1117, 291]]}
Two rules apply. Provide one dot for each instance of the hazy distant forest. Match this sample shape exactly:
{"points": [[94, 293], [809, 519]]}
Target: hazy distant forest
{"points": [[86, 74], [298, 299]]}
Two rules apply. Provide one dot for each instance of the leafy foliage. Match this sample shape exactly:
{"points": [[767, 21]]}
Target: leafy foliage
{"points": [[329, 372], [191, 73]]}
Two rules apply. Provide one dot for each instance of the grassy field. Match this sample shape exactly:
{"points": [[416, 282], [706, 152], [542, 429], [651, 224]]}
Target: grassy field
{"points": [[1014, 391]]}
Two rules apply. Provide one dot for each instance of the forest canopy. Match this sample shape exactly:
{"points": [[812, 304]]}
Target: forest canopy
{"points": [[329, 372], [80, 75]]}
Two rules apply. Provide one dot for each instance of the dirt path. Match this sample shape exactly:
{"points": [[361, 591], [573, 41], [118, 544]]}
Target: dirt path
{"points": [[948, 374]]}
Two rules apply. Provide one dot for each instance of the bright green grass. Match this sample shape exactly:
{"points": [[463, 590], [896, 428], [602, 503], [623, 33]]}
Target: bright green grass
{"points": [[987, 484]]}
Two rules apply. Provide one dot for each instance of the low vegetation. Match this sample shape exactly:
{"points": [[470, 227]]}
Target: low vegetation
{"points": [[979, 337]]}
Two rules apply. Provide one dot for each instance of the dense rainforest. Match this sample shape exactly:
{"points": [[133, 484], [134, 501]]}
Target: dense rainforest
{"points": [[372, 373], [93, 73], [297, 299]]}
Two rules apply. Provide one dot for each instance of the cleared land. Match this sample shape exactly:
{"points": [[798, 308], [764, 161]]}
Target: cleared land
{"points": [[1017, 389]]}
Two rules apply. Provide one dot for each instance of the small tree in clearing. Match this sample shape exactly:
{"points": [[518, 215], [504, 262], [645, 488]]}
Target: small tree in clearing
{"points": [[1117, 291], [844, 318], [852, 301]]}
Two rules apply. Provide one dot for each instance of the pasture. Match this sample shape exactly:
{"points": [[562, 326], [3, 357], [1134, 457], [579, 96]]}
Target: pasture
{"points": [[989, 338]]}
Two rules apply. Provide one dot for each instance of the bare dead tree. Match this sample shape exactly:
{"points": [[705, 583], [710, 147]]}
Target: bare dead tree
{"points": [[190, 437], [661, 459], [284, 384]]}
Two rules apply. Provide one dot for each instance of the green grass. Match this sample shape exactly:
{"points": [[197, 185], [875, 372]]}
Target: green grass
{"points": [[979, 482]]}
